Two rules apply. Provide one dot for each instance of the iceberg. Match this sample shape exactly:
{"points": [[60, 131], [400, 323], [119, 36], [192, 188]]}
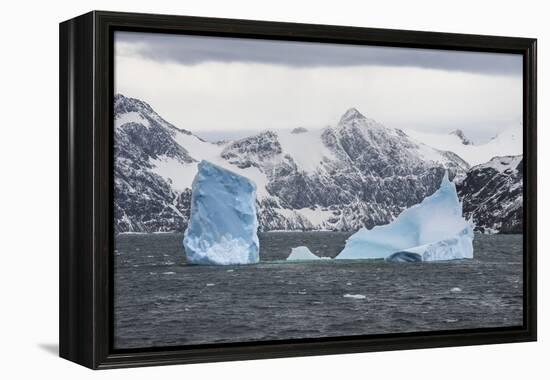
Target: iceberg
{"points": [[223, 225], [431, 230], [404, 257], [459, 247], [303, 254]]}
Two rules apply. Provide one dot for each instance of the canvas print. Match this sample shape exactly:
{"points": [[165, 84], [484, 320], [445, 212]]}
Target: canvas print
{"points": [[273, 190]]}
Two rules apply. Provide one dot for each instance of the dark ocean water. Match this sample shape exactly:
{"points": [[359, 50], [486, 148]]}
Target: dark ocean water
{"points": [[162, 301]]}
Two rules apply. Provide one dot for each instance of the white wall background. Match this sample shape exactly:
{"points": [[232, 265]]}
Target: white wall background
{"points": [[29, 188]]}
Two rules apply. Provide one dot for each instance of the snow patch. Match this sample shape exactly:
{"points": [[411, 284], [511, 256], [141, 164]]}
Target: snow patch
{"points": [[197, 148], [131, 117], [501, 164], [306, 148], [430, 154], [179, 174]]}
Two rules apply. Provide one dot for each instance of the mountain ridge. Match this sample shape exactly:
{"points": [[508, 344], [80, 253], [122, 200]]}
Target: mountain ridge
{"points": [[358, 173]]}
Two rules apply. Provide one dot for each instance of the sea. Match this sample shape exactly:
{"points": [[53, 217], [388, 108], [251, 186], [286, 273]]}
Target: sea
{"points": [[160, 300]]}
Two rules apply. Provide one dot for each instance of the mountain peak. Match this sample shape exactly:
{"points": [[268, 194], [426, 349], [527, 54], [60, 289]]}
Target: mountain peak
{"points": [[462, 137], [125, 104], [350, 115]]}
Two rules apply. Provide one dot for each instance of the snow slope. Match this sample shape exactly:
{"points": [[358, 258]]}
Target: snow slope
{"points": [[508, 142], [181, 174], [306, 148]]}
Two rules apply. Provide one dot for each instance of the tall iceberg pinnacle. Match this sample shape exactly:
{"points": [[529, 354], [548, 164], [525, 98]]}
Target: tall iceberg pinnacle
{"points": [[223, 226], [431, 230]]}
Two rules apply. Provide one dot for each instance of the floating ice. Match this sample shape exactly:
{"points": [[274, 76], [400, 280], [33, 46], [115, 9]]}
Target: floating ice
{"points": [[459, 247], [355, 296], [432, 230], [223, 225], [302, 254]]}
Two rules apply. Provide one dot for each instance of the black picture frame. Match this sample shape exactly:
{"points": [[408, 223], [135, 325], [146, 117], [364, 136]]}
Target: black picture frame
{"points": [[86, 188]]}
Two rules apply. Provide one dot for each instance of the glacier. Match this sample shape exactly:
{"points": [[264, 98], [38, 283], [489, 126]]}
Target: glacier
{"points": [[223, 225], [431, 230], [303, 254]]}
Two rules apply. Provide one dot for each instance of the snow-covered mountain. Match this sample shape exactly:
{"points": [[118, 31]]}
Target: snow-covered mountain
{"points": [[507, 142], [357, 173], [145, 201], [492, 195]]}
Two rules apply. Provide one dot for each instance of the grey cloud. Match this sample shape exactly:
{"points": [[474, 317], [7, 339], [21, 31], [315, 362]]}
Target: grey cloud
{"points": [[192, 50]]}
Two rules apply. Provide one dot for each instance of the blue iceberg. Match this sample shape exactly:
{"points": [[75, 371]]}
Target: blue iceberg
{"points": [[431, 230], [459, 247], [223, 226]]}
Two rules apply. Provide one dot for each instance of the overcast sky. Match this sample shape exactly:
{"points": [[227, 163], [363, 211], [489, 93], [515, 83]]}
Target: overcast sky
{"points": [[222, 87]]}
